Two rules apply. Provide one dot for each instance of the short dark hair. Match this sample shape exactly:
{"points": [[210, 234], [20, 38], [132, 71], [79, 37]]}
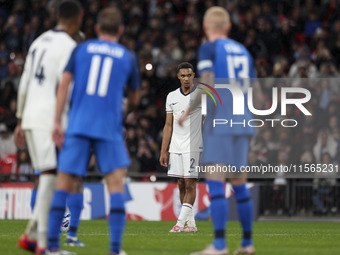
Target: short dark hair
{"points": [[69, 9], [109, 20], [185, 65]]}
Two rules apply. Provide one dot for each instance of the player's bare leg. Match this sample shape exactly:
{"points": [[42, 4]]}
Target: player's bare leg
{"points": [[191, 216], [190, 191], [190, 196], [181, 188], [191, 224], [188, 201]]}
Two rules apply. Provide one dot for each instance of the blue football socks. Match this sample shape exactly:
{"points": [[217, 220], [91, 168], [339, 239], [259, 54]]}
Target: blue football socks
{"points": [[33, 197], [245, 211], [75, 205], [219, 212], [116, 221], [58, 207]]}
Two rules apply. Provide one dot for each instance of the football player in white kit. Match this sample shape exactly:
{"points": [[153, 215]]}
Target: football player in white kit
{"points": [[184, 144], [45, 62]]}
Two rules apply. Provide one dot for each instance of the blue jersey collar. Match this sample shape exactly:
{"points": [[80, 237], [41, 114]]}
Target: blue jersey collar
{"points": [[192, 90], [58, 30]]}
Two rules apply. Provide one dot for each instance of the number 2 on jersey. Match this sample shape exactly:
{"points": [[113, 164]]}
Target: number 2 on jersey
{"points": [[104, 77], [192, 163]]}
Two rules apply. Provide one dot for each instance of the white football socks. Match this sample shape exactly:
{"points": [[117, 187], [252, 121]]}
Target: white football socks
{"points": [[47, 183], [32, 226], [185, 211], [191, 219]]}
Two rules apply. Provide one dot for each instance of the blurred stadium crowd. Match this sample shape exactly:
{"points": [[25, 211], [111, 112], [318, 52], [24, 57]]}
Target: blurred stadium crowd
{"points": [[287, 39]]}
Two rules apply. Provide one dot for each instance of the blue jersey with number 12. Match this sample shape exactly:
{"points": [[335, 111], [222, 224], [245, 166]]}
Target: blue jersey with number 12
{"points": [[101, 69], [231, 61]]}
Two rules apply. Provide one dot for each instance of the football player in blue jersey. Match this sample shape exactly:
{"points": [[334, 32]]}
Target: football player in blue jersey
{"points": [[221, 57], [100, 70]]}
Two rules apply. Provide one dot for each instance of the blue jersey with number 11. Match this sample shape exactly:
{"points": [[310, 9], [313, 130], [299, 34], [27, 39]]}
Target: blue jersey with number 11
{"points": [[101, 69]]}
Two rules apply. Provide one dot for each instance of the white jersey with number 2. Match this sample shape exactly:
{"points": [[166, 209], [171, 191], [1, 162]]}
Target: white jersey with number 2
{"points": [[186, 138]]}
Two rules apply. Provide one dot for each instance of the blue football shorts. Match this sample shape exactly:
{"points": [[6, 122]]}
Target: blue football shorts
{"points": [[226, 149], [75, 155]]}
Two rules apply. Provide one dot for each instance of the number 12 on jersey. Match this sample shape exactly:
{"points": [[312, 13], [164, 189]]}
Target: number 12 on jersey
{"points": [[104, 76]]}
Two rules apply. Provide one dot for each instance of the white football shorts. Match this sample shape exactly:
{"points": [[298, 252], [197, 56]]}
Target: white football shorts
{"points": [[42, 149], [184, 165]]}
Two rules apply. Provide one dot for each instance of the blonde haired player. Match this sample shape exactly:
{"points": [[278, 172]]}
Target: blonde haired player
{"points": [[221, 57]]}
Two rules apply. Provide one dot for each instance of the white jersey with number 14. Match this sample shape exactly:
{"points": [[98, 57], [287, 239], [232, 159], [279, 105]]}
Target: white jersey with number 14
{"points": [[45, 63]]}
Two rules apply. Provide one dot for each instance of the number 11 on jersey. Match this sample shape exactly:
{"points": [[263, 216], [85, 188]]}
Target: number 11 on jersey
{"points": [[104, 77]]}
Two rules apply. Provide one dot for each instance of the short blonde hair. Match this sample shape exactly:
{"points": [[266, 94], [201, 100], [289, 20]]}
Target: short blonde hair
{"points": [[217, 18], [109, 20]]}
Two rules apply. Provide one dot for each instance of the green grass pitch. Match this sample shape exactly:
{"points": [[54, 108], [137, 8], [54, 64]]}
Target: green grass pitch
{"points": [[153, 238]]}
